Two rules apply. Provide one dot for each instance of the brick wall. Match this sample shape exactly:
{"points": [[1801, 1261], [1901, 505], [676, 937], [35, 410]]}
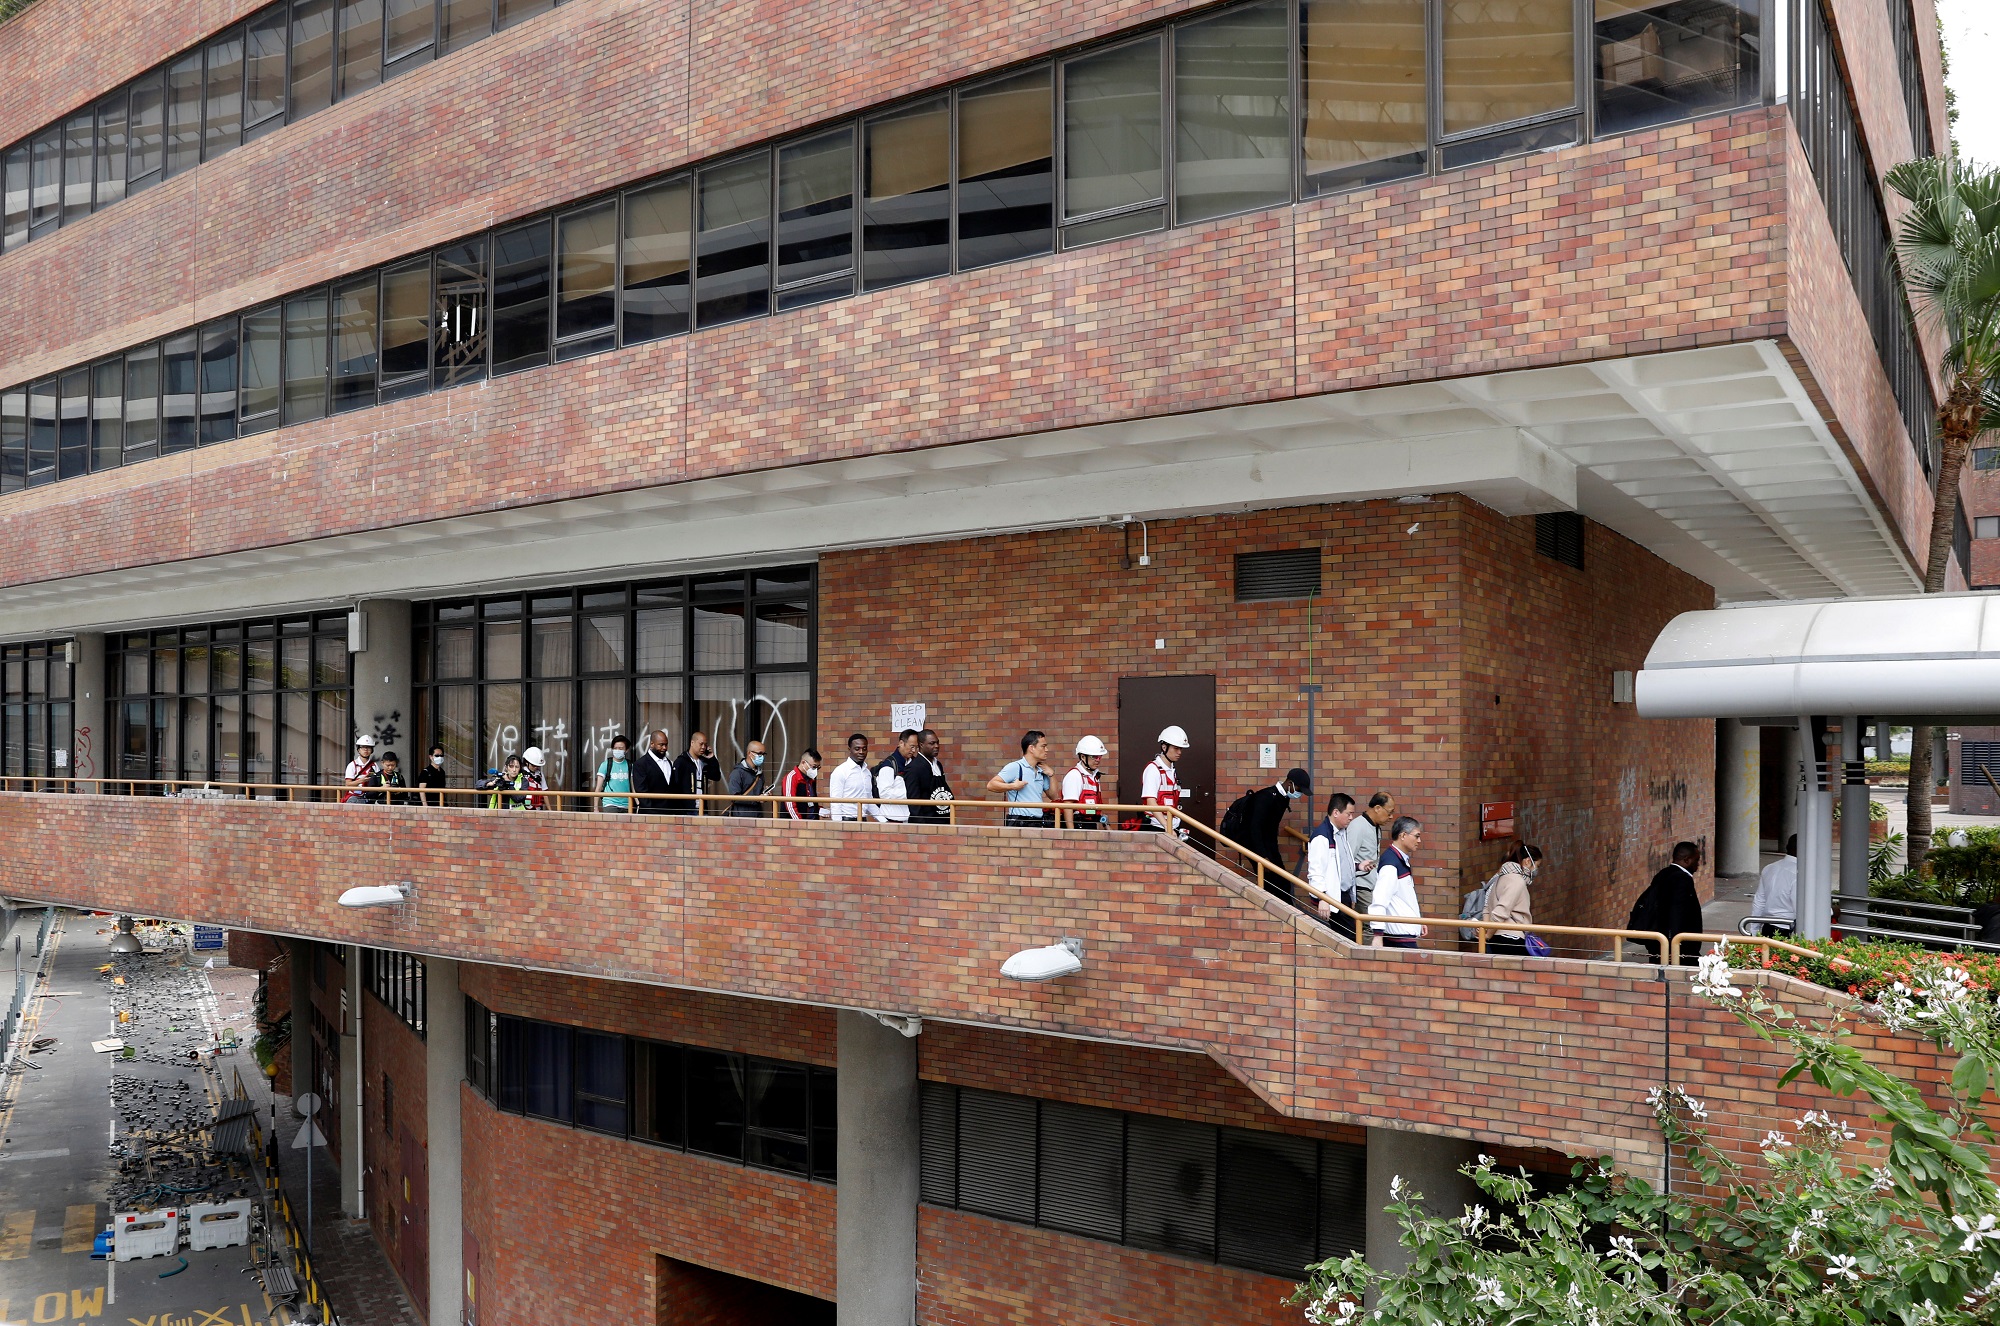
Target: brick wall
{"points": [[394, 1150], [1979, 491]]}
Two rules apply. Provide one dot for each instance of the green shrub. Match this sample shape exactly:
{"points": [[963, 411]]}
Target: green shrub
{"points": [[1883, 768]]}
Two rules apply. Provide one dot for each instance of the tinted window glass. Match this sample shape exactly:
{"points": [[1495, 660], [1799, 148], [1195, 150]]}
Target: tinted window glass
{"points": [[261, 374], [1660, 61], [184, 91], [1006, 170], [354, 331], [825, 1125], [600, 1082], [177, 393], [733, 241], [42, 431], [17, 196], [1366, 113], [1505, 62], [107, 415], [816, 218], [1111, 138], [360, 45], [458, 331], [587, 278], [142, 404], [79, 158], [312, 57], [218, 381], [1232, 109], [148, 131], [111, 149], [45, 203], [466, 21], [714, 1103], [521, 280], [412, 28], [13, 439], [507, 1064], [655, 258], [264, 68], [1267, 1215], [406, 329], [906, 195], [780, 1116], [545, 1070], [513, 11], [73, 426], [222, 122], [1170, 1186], [656, 1093], [305, 358]]}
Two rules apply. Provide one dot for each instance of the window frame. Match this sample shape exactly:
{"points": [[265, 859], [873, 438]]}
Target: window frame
{"points": [[1064, 223]]}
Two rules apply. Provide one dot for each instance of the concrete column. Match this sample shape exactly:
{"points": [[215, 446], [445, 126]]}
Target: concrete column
{"points": [[1853, 812], [444, 1067], [1788, 809], [90, 751], [302, 1062], [381, 670], [353, 1193], [876, 1235], [1425, 1163], [1815, 831], [1738, 763]]}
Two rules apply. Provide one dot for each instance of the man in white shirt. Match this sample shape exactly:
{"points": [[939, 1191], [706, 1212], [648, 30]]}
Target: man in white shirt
{"points": [[1159, 782], [1330, 859], [890, 785], [1778, 890], [852, 784]]}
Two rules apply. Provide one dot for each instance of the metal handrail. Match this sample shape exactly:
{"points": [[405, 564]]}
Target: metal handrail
{"points": [[1766, 942], [1064, 813]]}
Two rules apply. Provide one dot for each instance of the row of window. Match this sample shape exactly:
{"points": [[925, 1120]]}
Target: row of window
{"points": [[1250, 107], [280, 65], [36, 717], [765, 1113], [1266, 1201], [397, 979]]}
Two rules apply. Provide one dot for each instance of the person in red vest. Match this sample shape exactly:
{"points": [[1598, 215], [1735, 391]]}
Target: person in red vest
{"points": [[1081, 787], [1160, 786]]}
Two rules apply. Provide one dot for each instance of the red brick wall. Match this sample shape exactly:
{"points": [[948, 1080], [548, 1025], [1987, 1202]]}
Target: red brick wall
{"points": [[391, 1050]]}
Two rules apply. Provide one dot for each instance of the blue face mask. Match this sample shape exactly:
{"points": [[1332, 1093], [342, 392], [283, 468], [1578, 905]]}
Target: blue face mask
{"points": [[1291, 795], [756, 761]]}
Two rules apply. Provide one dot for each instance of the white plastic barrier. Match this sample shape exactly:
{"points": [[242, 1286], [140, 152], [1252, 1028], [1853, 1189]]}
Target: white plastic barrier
{"points": [[218, 1224], [139, 1234]]}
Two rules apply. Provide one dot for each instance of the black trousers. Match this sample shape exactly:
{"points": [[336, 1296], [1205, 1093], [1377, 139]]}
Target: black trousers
{"points": [[1507, 944]]}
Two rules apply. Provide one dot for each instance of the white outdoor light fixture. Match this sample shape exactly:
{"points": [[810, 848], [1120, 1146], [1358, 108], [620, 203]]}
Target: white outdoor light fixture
{"points": [[1062, 958], [378, 895], [125, 941]]}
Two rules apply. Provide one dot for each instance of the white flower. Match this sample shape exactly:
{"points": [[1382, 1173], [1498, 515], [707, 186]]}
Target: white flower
{"points": [[1489, 1291], [1815, 1119], [1774, 1141], [1396, 1188], [1952, 987], [1975, 1234], [1792, 1244], [1484, 1159], [1712, 978], [1473, 1221], [1884, 1180], [1840, 1265], [1573, 1298], [1816, 1218], [1622, 1246]]}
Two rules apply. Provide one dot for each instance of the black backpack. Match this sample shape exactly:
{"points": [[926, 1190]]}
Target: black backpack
{"points": [[1236, 820]]}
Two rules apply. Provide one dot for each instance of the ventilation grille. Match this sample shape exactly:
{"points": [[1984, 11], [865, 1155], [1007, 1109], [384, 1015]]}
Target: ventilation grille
{"points": [[1975, 760], [1291, 574], [1559, 534]]}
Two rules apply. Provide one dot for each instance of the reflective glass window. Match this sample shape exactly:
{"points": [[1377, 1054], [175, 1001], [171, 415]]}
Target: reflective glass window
{"points": [[360, 45], [406, 329], [816, 218], [410, 31], [1112, 163], [110, 169], [42, 431], [355, 328], [107, 415], [458, 326], [715, 1103], [586, 279], [521, 282], [218, 381], [45, 201], [142, 404], [1366, 111], [222, 122], [312, 57], [178, 392], [1663, 60], [73, 425], [16, 198], [466, 21], [733, 241], [261, 371], [657, 1094], [600, 1082], [906, 194], [305, 358], [515, 11], [1233, 112], [1006, 170], [654, 275], [184, 91], [79, 160], [264, 69], [777, 1133], [13, 439], [1506, 60], [148, 131]]}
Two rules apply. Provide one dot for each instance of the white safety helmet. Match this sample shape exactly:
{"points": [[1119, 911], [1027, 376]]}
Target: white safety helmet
{"points": [[365, 740], [533, 755], [1091, 746], [1174, 736]]}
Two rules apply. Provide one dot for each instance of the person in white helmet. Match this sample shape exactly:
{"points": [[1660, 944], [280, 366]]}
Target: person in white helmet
{"points": [[1080, 786], [360, 771], [1160, 786], [533, 780]]}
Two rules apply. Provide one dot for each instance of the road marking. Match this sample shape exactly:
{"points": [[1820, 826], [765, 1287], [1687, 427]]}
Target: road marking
{"points": [[50, 1154], [80, 1227], [17, 1235]]}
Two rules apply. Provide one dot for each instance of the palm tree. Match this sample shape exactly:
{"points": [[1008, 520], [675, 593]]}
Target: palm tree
{"points": [[1948, 256]]}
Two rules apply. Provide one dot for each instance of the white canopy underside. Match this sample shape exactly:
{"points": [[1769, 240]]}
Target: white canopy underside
{"points": [[1930, 656]]}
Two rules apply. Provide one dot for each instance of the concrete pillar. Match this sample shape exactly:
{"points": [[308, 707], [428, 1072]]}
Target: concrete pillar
{"points": [[1738, 813], [876, 1235], [1815, 831], [90, 754], [1788, 809], [302, 1063], [1853, 812], [1425, 1163], [381, 670], [353, 1194], [444, 1067]]}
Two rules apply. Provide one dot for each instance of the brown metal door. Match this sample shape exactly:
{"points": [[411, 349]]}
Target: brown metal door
{"points": [[414, 1259], [1148, 704]]}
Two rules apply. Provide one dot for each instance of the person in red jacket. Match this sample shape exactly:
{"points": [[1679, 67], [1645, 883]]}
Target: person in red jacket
{"points": [[802, 780]]}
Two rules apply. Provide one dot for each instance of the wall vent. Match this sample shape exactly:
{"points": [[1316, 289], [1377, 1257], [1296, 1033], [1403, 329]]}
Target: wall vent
{"points": [[1291, 574], [1559, 534]]}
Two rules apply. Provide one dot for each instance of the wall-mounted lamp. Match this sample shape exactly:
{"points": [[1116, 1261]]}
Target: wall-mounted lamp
{"points": [[378, 895], [1062, 958]]}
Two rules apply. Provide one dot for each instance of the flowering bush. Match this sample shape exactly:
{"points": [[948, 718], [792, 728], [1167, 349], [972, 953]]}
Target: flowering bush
{"points": [[1873, 966], [1813, 1239]]}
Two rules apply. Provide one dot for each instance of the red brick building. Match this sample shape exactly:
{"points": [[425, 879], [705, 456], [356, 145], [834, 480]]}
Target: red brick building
{"points": [[480, 375]]}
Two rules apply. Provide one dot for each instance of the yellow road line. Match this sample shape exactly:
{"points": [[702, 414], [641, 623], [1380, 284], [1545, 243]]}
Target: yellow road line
{"points": [[80, 1227], [31, 1022], [17, 1235]]}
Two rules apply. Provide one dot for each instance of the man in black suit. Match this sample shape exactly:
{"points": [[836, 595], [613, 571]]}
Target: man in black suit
{"points": [[1670, 905], [654, 772], [696, 774]]}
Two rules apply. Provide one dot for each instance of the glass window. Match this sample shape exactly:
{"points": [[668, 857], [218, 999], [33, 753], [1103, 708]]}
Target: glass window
{"points": [[1006, 170], [655, 262], [1986, 527], [264, 70], [1662, 60], [142, 404], [458, 332], [1233, 112], [360, 45], [656, 1094], [733, 241], [906, 195], [521, 280], [184, 91], [1112, 166], [1986, 458], [514, 11], [587, 279], [111, 149], [262, 375], [1506, 60], [1366, 109], [45, 202], [779, 1131], [714, 1103], [312, 57], [73, 426], [406, 329], [600, 1082], [107, 415], [178, 388], [466, 21], [354, 332], [148, 127], [305, 358], [222, 124], [79, 158], [13, 439], [16, 232], [816, 219], [411, 30], [1513, 142], [545, 1070], [218, 381], [42, 431]]}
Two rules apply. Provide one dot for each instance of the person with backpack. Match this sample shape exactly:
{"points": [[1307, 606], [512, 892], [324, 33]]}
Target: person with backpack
{"points": [[1026, 783], [1396, 886], [1506, 899], [1253, 820], [614, 774]]}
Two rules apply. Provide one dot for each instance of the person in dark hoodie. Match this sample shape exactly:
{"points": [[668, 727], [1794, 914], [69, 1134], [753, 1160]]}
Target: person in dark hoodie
{"points": [[1670, 904]]}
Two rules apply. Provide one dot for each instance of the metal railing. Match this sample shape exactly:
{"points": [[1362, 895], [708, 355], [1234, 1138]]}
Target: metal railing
{"points": [[281, 1216]]}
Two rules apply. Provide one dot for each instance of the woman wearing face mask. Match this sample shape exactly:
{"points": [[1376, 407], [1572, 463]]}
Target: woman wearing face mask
{"points": [[1507, 899], [510, 787], [431, 780], [614, 774]]}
